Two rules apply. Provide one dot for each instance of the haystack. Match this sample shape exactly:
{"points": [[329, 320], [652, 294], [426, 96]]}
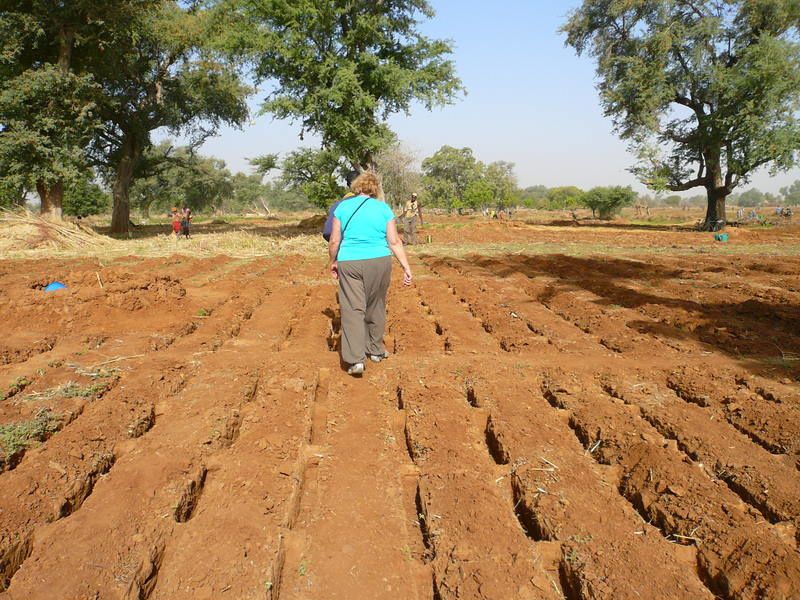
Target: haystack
{"points": [[21, 231]]}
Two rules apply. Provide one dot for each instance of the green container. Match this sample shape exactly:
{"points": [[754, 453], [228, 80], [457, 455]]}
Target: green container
{"points": [[721, 237]]}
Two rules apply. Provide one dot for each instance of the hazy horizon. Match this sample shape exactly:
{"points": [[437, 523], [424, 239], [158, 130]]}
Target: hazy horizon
{"points": [[530, 100]]}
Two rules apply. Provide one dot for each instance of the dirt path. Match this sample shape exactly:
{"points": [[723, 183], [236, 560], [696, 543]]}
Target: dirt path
{"points": [[545, 428]]}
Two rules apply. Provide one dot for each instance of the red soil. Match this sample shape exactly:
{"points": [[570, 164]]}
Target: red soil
{"points": [[547, 427]]}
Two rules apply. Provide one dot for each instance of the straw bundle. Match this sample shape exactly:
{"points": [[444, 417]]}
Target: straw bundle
{"points": [[26, 231]]}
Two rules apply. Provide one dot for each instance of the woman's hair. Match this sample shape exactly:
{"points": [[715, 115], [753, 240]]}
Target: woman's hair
{"points": [[367, 184]]}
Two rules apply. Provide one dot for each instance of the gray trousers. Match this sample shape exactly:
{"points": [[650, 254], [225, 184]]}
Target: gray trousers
{"points": [[410, 230], [362, 300]]}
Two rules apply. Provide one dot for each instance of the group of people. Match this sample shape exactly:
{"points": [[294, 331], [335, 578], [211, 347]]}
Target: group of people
{"points": [[362, 238], [181, 221]]}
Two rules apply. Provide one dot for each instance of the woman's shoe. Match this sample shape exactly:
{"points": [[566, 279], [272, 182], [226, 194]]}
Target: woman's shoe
{"points": [[356, 369], [376, 358]]}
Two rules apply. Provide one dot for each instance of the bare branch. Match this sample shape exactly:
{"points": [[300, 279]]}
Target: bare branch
{"points": [[687, 185]]}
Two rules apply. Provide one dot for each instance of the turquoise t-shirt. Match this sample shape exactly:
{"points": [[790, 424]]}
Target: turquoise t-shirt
{"points": [[365, 235]]}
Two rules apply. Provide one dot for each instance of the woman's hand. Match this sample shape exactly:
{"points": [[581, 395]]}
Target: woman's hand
{"points": [[335, 270], [407, 276]]}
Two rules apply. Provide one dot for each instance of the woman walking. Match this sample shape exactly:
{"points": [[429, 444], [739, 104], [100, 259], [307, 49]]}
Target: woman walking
{"points": [[363, 240]]}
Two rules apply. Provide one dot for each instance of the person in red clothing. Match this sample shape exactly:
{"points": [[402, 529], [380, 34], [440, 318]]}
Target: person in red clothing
{"points": [[176, 222]]}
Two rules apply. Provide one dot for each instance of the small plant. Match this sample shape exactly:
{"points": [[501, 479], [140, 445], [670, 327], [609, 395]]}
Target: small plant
{"points": [[407, 554], [71, 390], [302, 569], [20, 383], [203, 312], [15, 437]]}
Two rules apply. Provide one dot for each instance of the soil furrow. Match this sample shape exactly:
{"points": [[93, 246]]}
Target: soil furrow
{"points": [[542, 323], [771, 425], [738, 555], [353, 435], [478, 548], [115, 426], [561, 496], [756, 476], [460, 330]]}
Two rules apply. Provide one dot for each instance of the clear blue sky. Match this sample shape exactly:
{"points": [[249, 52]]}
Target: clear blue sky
{"points": [[530, 101]]}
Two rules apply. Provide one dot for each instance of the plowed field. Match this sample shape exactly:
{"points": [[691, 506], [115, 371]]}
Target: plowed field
{"points": [[548, 426]]}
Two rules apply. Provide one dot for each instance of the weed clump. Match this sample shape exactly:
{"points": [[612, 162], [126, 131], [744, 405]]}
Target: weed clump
{"points": [[18, 437], [15, 388], [73, 390]]}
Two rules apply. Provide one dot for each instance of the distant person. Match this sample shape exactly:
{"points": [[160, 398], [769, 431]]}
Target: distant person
{"points": [[328, 227], [363, 239], [411, 212], [186, 221], [176, 222]]}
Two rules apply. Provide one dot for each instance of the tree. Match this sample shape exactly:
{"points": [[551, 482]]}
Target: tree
{"points": [[605, 202], [751, 197], [533, 196], [47, 112], [448, 172], [479, 194], [177, 176], [706, 92], [264, 164], [564, 197], [47, 122], [317, 174], [342, 68], [163, 75], [673, 200], [84, 198], [398, 175], [791, 194], [500, 178]]}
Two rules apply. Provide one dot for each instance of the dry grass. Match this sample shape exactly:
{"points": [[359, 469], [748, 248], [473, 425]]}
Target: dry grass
{"points": [[24, 230], [23, 235]]}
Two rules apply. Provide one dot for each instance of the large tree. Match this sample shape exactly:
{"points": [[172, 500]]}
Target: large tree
{"points": [[314, 173], [165, 75], [47, 110], [178, 176], [448, 172], [706, 91], [342, 67]]}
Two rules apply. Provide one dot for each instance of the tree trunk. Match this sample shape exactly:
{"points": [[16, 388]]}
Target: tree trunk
{"points": [[66, 40], [121, 214], [148, 202], [716, 191], [715, 213], [52, 197]]}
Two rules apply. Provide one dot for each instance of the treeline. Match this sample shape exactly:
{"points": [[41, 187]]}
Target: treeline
{"points": [[85, 84], [455, 180]]}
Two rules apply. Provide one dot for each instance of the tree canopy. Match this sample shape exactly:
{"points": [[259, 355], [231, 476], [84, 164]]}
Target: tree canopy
{"points": [[605, 202], [791, 194], [47, 103], [342, 68], [448, 172], [165, 76], [705, 91]]}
